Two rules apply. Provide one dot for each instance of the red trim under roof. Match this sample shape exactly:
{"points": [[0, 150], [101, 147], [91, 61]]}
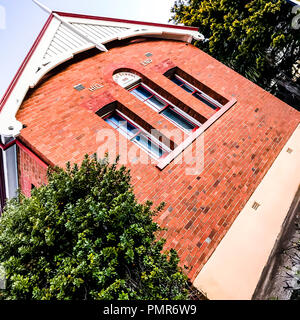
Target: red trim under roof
{"points": [[75, 15], [23, 65]]}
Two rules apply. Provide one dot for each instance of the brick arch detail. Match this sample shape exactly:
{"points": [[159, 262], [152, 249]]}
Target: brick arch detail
{"points": [[110, 70]]}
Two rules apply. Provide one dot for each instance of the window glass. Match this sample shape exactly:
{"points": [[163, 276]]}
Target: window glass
{"points": [[201, 98], [135, 134], [141, 93], [156, 102], [195, 92], [179, 119], [176, 80], [163, 107], [127, 128], [112, 123], [145, 142], [187, 88], [121, 124], [115, 119]]}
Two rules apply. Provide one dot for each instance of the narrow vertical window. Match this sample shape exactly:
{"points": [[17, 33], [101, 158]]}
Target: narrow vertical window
{"points": [[200, 95], [136, 134], [165, 108], [135, 86]]}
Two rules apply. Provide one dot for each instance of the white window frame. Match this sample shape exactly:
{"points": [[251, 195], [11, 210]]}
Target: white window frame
{"points": [[212, 100], [143, 131], [178, 110]]}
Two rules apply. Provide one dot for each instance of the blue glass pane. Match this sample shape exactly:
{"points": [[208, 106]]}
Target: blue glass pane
{"points": [[141, 93], [187, 88], [177, 118], [108, 120], [145, 142], [176, 80], [127, 128], [156, 102], [201, 98], [115, 118], [118, 122]]}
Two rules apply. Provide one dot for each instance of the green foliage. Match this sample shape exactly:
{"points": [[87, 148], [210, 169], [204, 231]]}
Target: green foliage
{"points": [[255, 38], [85, 236]]}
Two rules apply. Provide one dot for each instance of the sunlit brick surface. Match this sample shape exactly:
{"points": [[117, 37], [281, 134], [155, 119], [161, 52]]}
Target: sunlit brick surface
{"points": [[239, 147]]}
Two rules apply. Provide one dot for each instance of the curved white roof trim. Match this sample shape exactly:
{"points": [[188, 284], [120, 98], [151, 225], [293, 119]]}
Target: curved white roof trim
{"points": [[56, 62], [63, 37]]}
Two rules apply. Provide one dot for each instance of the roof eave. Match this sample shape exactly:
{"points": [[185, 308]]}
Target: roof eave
{"points": [[9, 125]]}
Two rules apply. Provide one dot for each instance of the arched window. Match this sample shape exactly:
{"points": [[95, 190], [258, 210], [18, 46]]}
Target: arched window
{"points": [[133, 83], [123, 122], [126, 79]]}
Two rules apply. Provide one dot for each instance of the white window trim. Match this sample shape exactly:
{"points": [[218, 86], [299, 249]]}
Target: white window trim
{"points": [[147, 134], [204, 94], [184, 114], [196, 134]]}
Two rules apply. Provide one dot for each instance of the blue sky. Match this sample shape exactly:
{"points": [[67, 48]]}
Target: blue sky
{"points": [[22, 20]]}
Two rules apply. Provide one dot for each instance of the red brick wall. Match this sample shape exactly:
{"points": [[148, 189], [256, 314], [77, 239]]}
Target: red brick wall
{"points": [[239, 148], [30, 172]]}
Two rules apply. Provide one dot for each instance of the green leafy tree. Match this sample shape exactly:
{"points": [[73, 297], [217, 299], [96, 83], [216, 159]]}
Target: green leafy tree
{"points": [[85, 236], [253, 37]]}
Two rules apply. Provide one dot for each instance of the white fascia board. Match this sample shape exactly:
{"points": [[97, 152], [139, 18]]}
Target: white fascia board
{"points": [[37, 66], [8, 123], [176, 36], [130, 33], [51, 65], [100, 22], [10, 126], [138, 28], [186, 36]]}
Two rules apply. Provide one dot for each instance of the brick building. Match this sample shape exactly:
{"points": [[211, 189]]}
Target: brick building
{"points": [[194, 133]]}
